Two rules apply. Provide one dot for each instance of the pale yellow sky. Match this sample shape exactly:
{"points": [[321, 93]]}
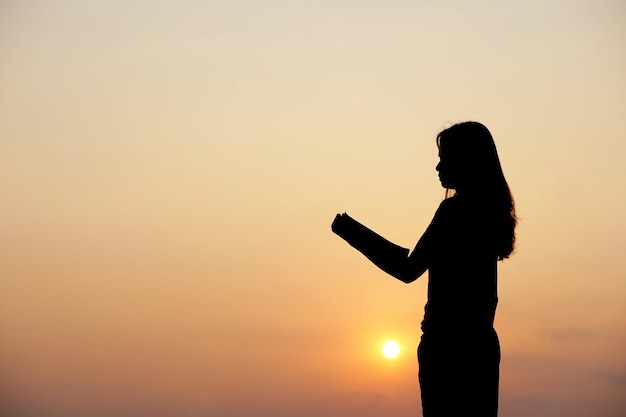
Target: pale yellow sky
{"points": [[169, 172]]}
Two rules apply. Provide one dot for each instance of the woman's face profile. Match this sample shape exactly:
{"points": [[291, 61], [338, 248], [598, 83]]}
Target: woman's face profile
{"points": [[448, 168]]}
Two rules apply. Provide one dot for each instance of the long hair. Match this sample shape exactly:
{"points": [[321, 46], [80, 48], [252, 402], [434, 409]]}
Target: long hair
{"points": [[474, 152]]}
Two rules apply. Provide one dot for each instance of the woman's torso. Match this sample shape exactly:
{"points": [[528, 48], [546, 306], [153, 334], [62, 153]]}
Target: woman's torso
{"points": [[462, 276]]}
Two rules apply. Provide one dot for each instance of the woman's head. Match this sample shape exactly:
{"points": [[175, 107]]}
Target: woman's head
{"points": [[468, 158], [469, 164]]}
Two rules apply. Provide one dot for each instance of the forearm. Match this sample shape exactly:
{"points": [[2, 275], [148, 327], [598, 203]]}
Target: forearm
{"points": [[393, 262], [388, 256]]}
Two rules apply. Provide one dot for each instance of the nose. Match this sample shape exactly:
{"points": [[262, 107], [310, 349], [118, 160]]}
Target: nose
{"points": [[438, 167]]}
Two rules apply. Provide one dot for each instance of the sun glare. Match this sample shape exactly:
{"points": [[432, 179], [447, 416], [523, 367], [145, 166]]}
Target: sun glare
{"points": [[391, 349]]}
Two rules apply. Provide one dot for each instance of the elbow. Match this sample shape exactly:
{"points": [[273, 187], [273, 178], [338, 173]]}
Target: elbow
{"points": [[408, 280], [409, 274], [406, 277], [403, 269]]}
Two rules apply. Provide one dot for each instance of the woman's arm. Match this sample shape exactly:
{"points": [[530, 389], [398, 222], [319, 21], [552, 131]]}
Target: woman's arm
{"points": [[389, 257]]}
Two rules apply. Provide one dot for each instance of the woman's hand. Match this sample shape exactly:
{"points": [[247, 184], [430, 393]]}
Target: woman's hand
{"points": [[339, 224]]}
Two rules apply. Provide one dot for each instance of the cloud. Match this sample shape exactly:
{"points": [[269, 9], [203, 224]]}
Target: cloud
{"points": [[613, 378], [529, 405], [554, 334]]}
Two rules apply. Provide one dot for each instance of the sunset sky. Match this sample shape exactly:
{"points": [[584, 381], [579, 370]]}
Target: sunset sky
{"points": [[169, 171]]}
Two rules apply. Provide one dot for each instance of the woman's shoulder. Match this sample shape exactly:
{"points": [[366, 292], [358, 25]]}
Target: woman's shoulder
{"points": [[448, 209], [460, 208], [450, 204]]}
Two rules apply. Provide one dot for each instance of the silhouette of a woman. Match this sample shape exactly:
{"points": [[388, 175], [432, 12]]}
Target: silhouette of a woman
{"points": [[473, 228]]}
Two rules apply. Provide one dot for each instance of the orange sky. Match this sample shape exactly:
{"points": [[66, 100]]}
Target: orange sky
{"points": [[169, 172]]}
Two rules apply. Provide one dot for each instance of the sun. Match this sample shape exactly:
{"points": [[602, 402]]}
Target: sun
{"points": [[391, 349]]}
